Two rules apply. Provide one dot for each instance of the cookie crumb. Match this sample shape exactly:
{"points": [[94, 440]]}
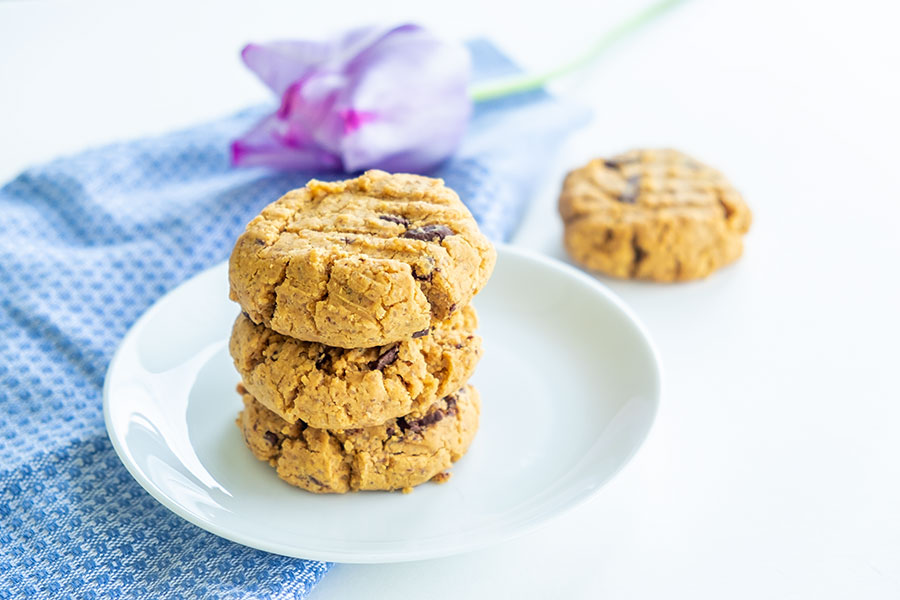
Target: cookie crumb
{"points": [[442, 477], [407, 490]]}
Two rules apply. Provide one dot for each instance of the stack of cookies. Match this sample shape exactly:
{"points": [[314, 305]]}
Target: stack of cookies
{"points": [[356, 339]]}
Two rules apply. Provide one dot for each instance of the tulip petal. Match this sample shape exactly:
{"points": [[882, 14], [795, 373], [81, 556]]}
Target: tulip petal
{"points": [[280, 64], [413, 89], [278, 143], [394, 98]]}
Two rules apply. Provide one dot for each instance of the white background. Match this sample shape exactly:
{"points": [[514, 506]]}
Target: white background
{"points": [[774, 467]]}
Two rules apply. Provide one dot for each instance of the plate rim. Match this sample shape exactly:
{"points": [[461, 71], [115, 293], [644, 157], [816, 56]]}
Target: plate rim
{"points": [[395, 556]]}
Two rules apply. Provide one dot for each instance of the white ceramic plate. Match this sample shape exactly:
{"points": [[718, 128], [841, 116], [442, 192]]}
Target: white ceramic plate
{"points": [[569, 385]]}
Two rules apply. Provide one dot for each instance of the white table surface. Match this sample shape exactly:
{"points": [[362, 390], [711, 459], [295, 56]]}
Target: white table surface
{"points": [[774, 467]]}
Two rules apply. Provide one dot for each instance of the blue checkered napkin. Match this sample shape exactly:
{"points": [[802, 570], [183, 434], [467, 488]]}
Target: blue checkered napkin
{"points": [[87, 244]]}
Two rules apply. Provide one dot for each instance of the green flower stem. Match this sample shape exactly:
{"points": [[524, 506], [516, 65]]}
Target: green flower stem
{"points": [[523, 83]]}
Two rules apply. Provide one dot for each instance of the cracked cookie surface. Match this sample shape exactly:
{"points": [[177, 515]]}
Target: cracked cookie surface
{"points": [[362, 262], [399, 454], [652, 214], [338, 388]]}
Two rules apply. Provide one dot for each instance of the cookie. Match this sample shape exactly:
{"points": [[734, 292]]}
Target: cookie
{"points": [[360, 263], [399, 454], [337, 388], [652, 214]]}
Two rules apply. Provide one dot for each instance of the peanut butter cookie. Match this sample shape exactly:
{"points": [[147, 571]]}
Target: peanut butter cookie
{"points": [[337, 388], [652, 214], [360, 263], [399, 454]]}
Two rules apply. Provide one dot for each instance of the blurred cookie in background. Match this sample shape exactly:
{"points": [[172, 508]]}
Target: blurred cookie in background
{"points": [[652, 214]]}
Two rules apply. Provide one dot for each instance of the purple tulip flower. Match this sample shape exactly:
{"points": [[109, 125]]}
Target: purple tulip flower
{"points": [[395, 99]]}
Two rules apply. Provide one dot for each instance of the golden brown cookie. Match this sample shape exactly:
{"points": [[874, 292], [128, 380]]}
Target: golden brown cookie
{"points": [[652, 214], [396, 455], [337, 388], [360, 263]]}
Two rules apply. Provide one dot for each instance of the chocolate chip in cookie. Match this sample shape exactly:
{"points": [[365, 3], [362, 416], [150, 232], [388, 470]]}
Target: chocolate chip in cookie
{"points": [[395, 219], [630, 193], [428, 233], [386, 358]]}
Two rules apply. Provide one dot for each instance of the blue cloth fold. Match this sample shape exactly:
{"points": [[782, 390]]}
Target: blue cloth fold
{"points": [[88, 243]]}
